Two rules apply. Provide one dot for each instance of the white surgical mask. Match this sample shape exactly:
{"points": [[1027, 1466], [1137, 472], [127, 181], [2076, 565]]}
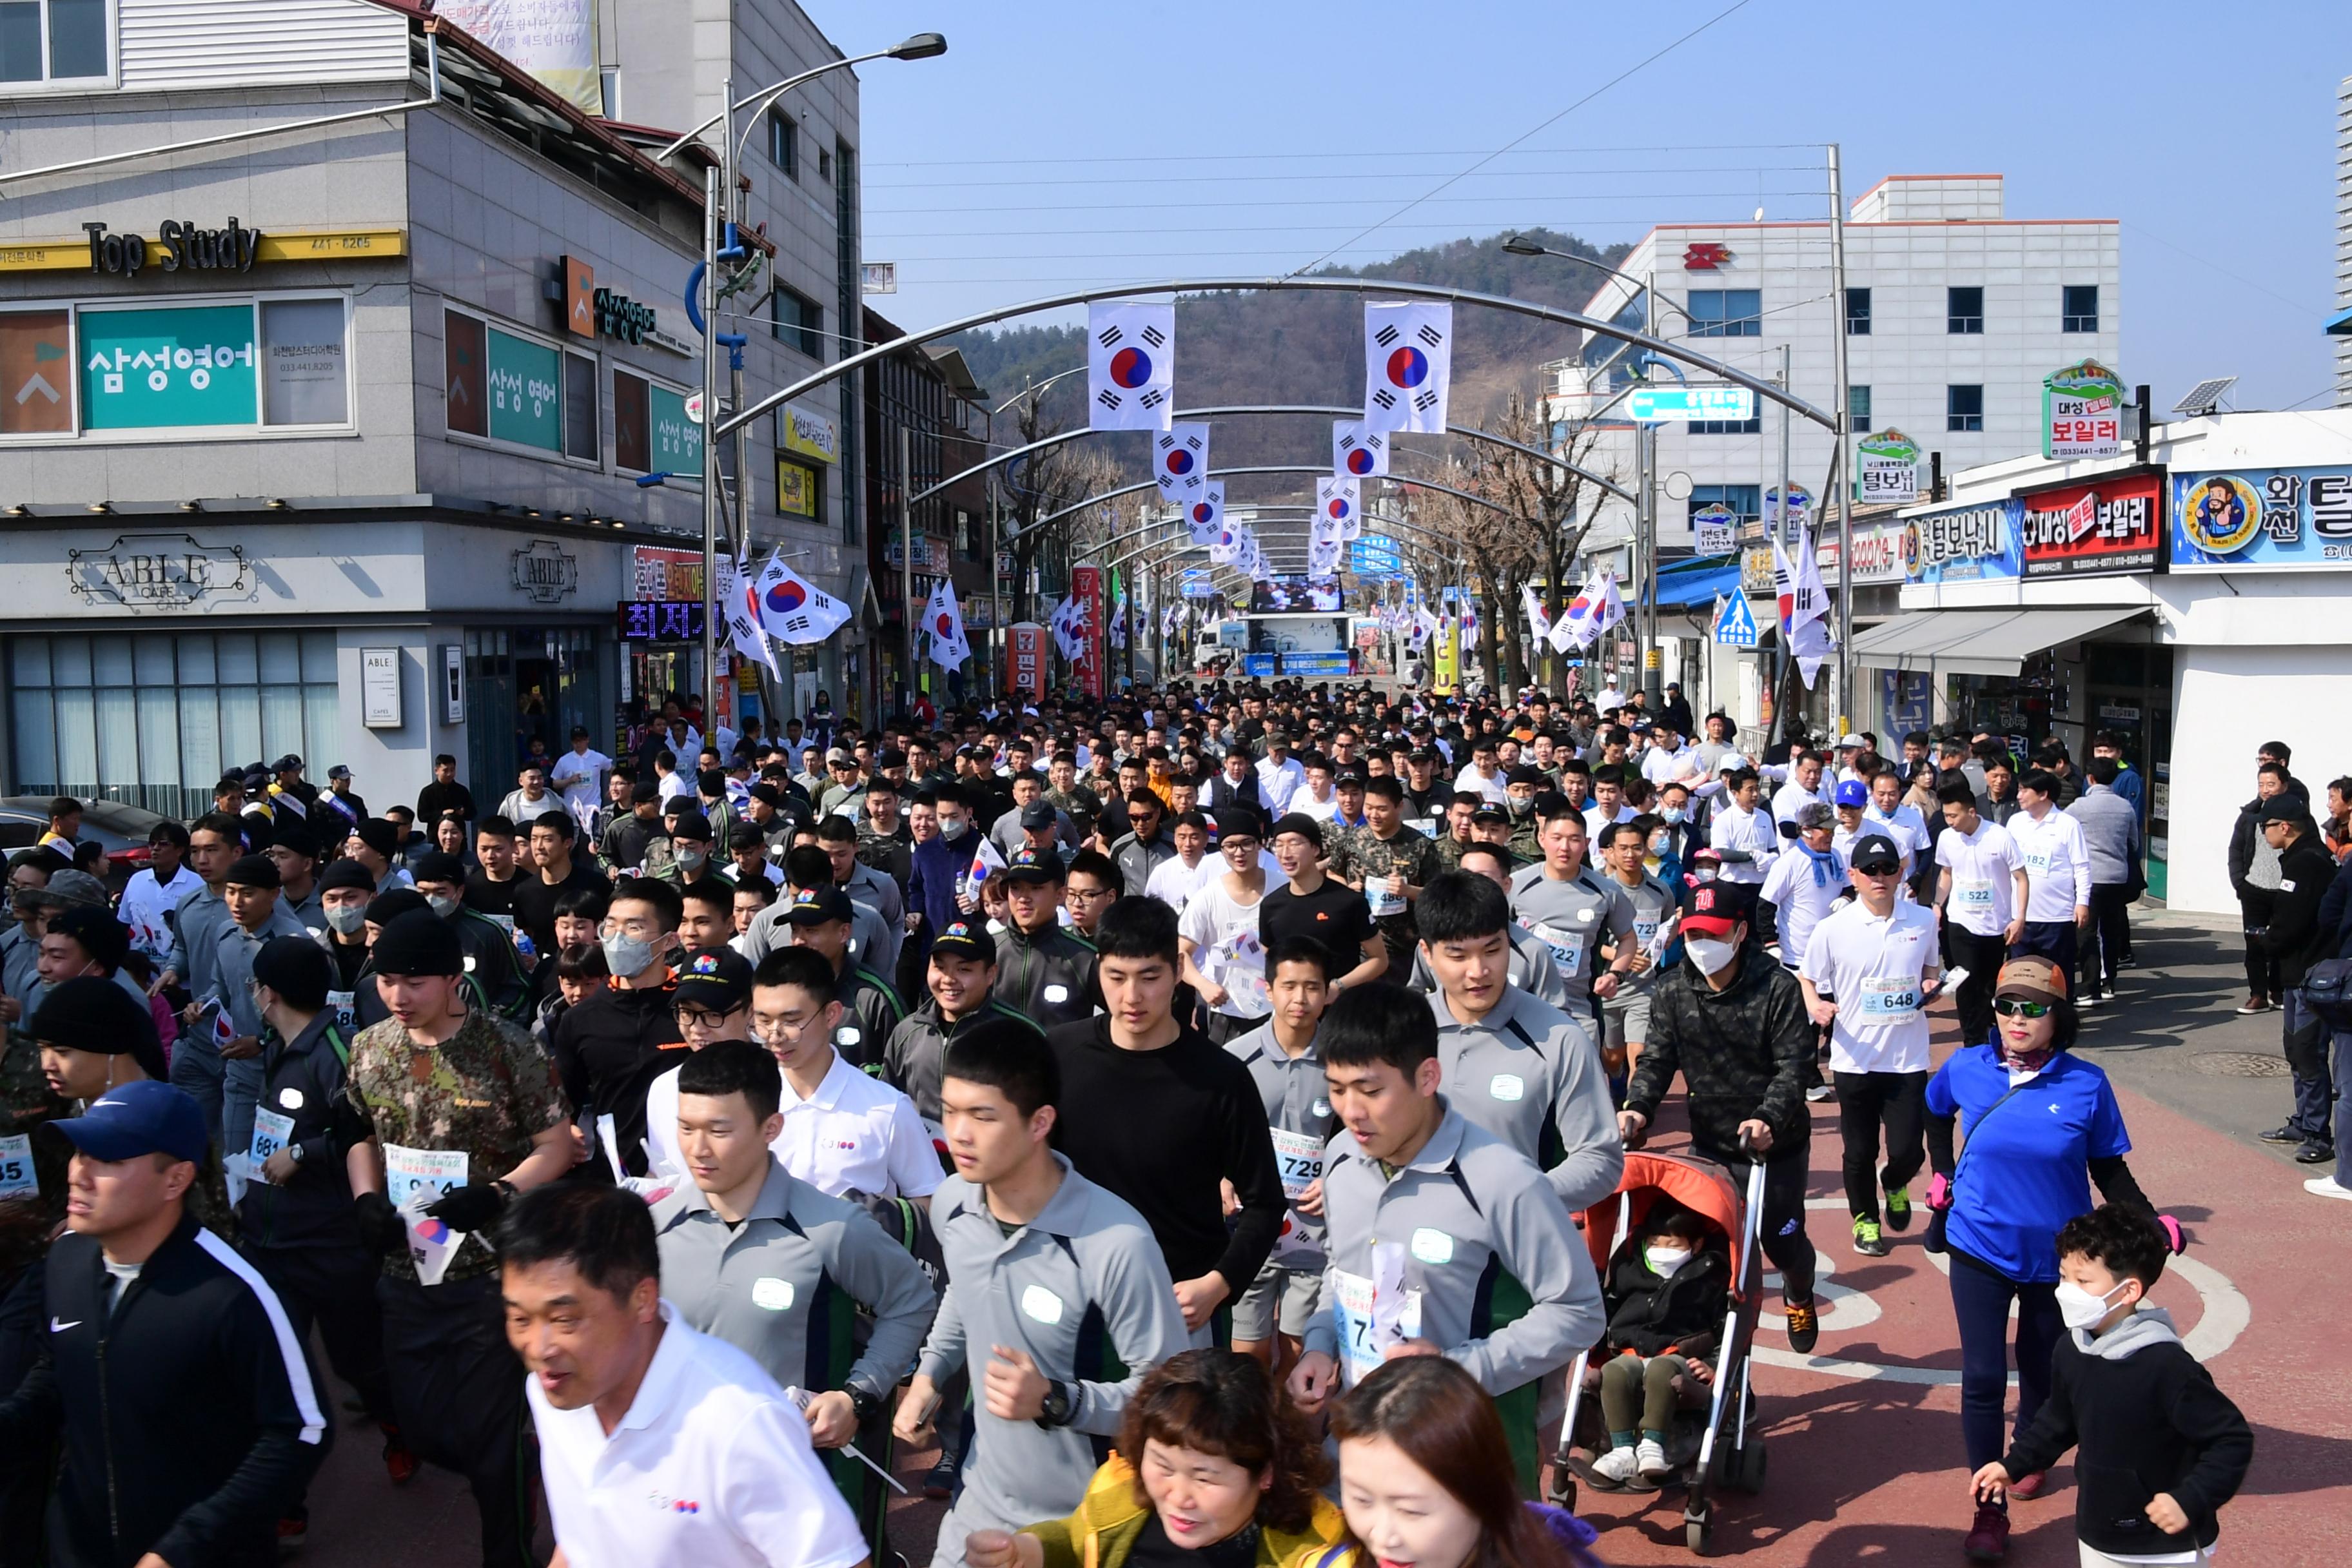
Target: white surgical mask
{"points": [[442, 903], [2078, 1308], [1667, 1259], [952, 827], [1671, 814], [1711, 955]]}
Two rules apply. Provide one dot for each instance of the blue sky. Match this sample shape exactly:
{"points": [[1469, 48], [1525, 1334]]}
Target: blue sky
{"points": [[1058, 144]]}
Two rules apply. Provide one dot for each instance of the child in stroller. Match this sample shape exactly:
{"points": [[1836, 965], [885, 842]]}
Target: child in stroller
{"points": [[1666, 1291]]}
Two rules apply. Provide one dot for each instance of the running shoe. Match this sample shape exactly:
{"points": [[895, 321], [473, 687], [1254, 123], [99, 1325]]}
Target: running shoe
{"points": [[1614, 1467], [939, 1481], [2326, 1187], [1987, 1540], [1898, 1209], [1820, 1092], [2253, 1004], [1804, 1321], [1650, 1460], [2084, 1004], [1867, 1239], [2030, 1484], [399, 1461], [2288, 1133]]}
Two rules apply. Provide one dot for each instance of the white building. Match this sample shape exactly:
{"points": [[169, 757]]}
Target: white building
{"points": [[1954, 312]]}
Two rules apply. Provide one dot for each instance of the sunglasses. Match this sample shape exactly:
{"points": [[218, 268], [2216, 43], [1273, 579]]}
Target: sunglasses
{"points": [[2013, 1007], [1881, 869]]}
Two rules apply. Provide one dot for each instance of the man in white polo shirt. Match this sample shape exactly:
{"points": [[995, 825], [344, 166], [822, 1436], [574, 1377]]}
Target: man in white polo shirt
{"points": [[844, 1131], [1868, 973], [1741, 831], [2058, 866], [1981, 891], [658, 1447]]}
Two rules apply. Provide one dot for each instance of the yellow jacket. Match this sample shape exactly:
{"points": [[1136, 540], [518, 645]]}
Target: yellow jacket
{"points": [[1103, 1530]]}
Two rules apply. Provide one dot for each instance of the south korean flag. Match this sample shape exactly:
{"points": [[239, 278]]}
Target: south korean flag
{"points": [[1179, 461], [1323, 558], [1227, 547], [1408, 356], [1358, 450], [1339, 499], [1205, 514], [1130, 366]]}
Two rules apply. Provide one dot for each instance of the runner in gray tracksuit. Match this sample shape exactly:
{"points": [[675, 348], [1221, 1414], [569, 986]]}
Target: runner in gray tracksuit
{"points": [[1528, 1073], [1078, 1285]]}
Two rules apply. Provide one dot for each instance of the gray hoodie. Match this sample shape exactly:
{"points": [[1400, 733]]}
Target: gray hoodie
{"points": [[2148, 1326], [2110, 832]]}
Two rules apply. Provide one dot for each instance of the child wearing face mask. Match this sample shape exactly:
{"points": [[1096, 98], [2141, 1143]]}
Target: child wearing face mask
{"points": [[1666, 1293], [2161, 1448]]}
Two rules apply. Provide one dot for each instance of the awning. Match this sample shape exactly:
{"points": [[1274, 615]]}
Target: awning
{"points": [[2339, 326], [1691, 589], [1979, 642]]}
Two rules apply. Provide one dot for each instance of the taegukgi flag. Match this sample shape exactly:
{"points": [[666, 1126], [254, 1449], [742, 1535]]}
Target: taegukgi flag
{"points": [[739, 599], [791, 609], [1358, 450], [944, 620], [1180, 460], [1205, 514], [1341, 499], [1130, 366], [1408, 358]]}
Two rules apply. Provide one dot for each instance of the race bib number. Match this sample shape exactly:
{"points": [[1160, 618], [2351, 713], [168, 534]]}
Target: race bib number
{"points": [[272, 1130], [1974, 894], [1646, 931], [1425, 825], [1300, 1158], [1369, 1320], [16, 1177], [339, 1003], [1567, 948], [1382, 901], [2037, 862], [505, 923], [408, 1171], [1890, 999]]}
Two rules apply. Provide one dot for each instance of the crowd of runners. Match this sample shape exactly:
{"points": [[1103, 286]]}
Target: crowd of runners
{"points": [[1215, 1119]]}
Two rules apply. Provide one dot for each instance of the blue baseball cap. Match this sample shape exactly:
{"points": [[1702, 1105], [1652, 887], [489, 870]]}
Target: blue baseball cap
{"points": [[134, 1118], [1854, 791]]}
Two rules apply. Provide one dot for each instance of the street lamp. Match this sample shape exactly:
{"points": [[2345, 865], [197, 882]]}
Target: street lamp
{"points": [[719, 239], [1520, 245]]}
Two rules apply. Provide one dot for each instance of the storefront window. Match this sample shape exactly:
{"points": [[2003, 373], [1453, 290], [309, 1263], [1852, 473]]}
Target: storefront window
{"points": [[156, 719]]}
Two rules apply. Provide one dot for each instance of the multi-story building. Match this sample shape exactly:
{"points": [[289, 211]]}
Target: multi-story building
{"points": [[354, 380], [2339, 326], [1953, 313]]}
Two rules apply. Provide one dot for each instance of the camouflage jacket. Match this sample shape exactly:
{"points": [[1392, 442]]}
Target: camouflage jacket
{"points": [[1362, 854]]}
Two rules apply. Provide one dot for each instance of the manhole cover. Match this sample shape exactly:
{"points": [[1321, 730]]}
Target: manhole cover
{"points": [[2239, 1064]]}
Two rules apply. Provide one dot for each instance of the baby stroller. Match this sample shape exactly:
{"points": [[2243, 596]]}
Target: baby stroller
{"points": [[1713, 1441]]}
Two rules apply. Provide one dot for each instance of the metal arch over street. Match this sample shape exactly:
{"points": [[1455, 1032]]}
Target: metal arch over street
{"points": [[864, 357], [1471, 432], [1077, 507], [1384, 522]]}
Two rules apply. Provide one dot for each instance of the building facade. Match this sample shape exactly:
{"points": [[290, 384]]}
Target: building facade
{"points": [[365, 439]]}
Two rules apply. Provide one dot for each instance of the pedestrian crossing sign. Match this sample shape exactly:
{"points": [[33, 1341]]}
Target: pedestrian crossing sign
{"points": [[1734, 627]]}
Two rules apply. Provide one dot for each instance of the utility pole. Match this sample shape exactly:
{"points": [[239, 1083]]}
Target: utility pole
{"points": [[1843, 413], [1000, 642], [907, 548], [1781, 659], [1653, 671], [711, 187]]}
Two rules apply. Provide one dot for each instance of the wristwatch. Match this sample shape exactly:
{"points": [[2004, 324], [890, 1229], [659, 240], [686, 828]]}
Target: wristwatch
{"points": [[1061, 1403], [863, 1404], [294, 1153]]}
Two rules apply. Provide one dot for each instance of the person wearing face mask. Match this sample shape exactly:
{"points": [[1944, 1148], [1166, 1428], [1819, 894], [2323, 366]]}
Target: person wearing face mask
{"points": [[345, 890], [489, 950], [1665, 1291], [2161, 1449], [608, 1049], [2039, 1125], [257, 914]]}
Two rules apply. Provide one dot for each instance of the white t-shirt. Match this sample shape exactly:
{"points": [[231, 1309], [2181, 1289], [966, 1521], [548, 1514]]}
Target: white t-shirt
{"points": [[1470, 780], [1876, 968], [1793, 797], [1732, 828], [712, 1467], [2057, 863], [1983, 899], [1173, 883], [522, 811], [1595, 820], [1906, 827], [1224, 932], [1278, 782], [1320, 810], [145, 903], [576, 774], [857, 1132], [1803, 901]]}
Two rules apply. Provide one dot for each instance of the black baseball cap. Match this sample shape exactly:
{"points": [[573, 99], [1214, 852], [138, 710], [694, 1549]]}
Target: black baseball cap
{"points": [[716, 979], [960, 941], [819, 906], [1035, 866], [1874, 852]]}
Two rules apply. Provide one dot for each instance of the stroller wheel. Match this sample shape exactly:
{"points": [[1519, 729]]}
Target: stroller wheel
{"points": [[1698, 1533], [1562, 1492], [1748, 1473]]}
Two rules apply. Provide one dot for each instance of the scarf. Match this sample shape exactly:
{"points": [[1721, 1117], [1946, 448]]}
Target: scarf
{"points": [[1825, 865]]}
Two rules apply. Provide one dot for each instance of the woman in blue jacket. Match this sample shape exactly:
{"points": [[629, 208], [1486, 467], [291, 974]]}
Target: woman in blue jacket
{"points": [[2040, 1125]]}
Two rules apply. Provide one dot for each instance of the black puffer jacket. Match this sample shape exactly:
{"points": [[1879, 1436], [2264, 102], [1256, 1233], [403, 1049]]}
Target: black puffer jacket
{"points": [[1744, 1051], [1650, 1313]]}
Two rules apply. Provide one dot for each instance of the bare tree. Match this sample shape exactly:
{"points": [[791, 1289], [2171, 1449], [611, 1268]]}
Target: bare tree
{"points": [[1041, 484]]}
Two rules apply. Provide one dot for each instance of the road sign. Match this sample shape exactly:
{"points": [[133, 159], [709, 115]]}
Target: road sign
{"points": [[1675, 404], [1734, 627]]}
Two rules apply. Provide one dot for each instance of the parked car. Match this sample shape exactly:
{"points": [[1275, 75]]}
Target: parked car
{"points": [[122, 829]]}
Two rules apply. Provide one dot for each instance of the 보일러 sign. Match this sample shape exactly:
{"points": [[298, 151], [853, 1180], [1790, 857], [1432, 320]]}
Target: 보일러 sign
{"points": [[2081, 412], [2116, 524], [2262, 517], [1964, 543]]}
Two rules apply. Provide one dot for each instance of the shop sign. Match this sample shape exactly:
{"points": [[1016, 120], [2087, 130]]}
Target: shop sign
{"points": [[133, 255], [810, 434], [157, 572], [2081, 412], [1756, 578], [181, 246], [657, 572], [2262, 517], [931, 554], [1714, 528], [525, 391], [1877, 554], [1886, 462], [545, 572], [677, 435], [168, 365], [1963, 544], [2112, 525], [1025, 665], [800, 489], [1799, 512], [662, 620], [1086, 588]]}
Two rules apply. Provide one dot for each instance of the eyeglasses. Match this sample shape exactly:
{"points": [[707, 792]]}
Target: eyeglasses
{"points": [[788, 1027], [2014, 1007], [702, 1018]]}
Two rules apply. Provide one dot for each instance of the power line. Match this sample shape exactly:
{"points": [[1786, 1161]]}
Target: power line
{"points": [[1325, 176], [1357, 202], [1351, 155]]}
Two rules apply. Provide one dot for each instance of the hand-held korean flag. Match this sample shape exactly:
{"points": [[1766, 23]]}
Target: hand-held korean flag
{"points": [[1179, 461], [1408, 359], [944, 621], [223, 1026], [1539, 621], [1205, 514], [1130, 366], [1341, 499], [1357, 449], [741, 601], [985, 862], [792, 610]]}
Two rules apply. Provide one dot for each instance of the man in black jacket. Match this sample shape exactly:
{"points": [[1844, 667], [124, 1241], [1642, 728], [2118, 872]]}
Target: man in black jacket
{"points": [[610, 1047], [2254, 875], [188, 1414], [2294, 940], [1733, 1023]]}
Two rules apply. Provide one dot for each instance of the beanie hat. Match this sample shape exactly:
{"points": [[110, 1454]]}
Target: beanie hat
{"points": [[417, 942], [296, 968]]}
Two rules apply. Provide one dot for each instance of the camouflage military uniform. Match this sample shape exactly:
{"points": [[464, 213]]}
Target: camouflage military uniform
{"points": [[1363, 855], [1524, 843], [1080, 805], [1449, 852], [484, 1092]]}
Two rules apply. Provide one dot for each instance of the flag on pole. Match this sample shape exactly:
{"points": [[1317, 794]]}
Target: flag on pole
{"points": [[1608, 611], [1130, 366], [1574, 630], [944, 620], [739, 598], [1322, 557], [1408, 359], [1469, 623], [1205, 514], [1117, 628], [1357, 449], [791, 610], [1068, 625], [1180, 460], [1804, 606], [1341, 499], [1539, 621]]}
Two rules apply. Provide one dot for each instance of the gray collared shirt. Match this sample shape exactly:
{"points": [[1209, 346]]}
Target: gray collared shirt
{"points": [[1530, 1075]]}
